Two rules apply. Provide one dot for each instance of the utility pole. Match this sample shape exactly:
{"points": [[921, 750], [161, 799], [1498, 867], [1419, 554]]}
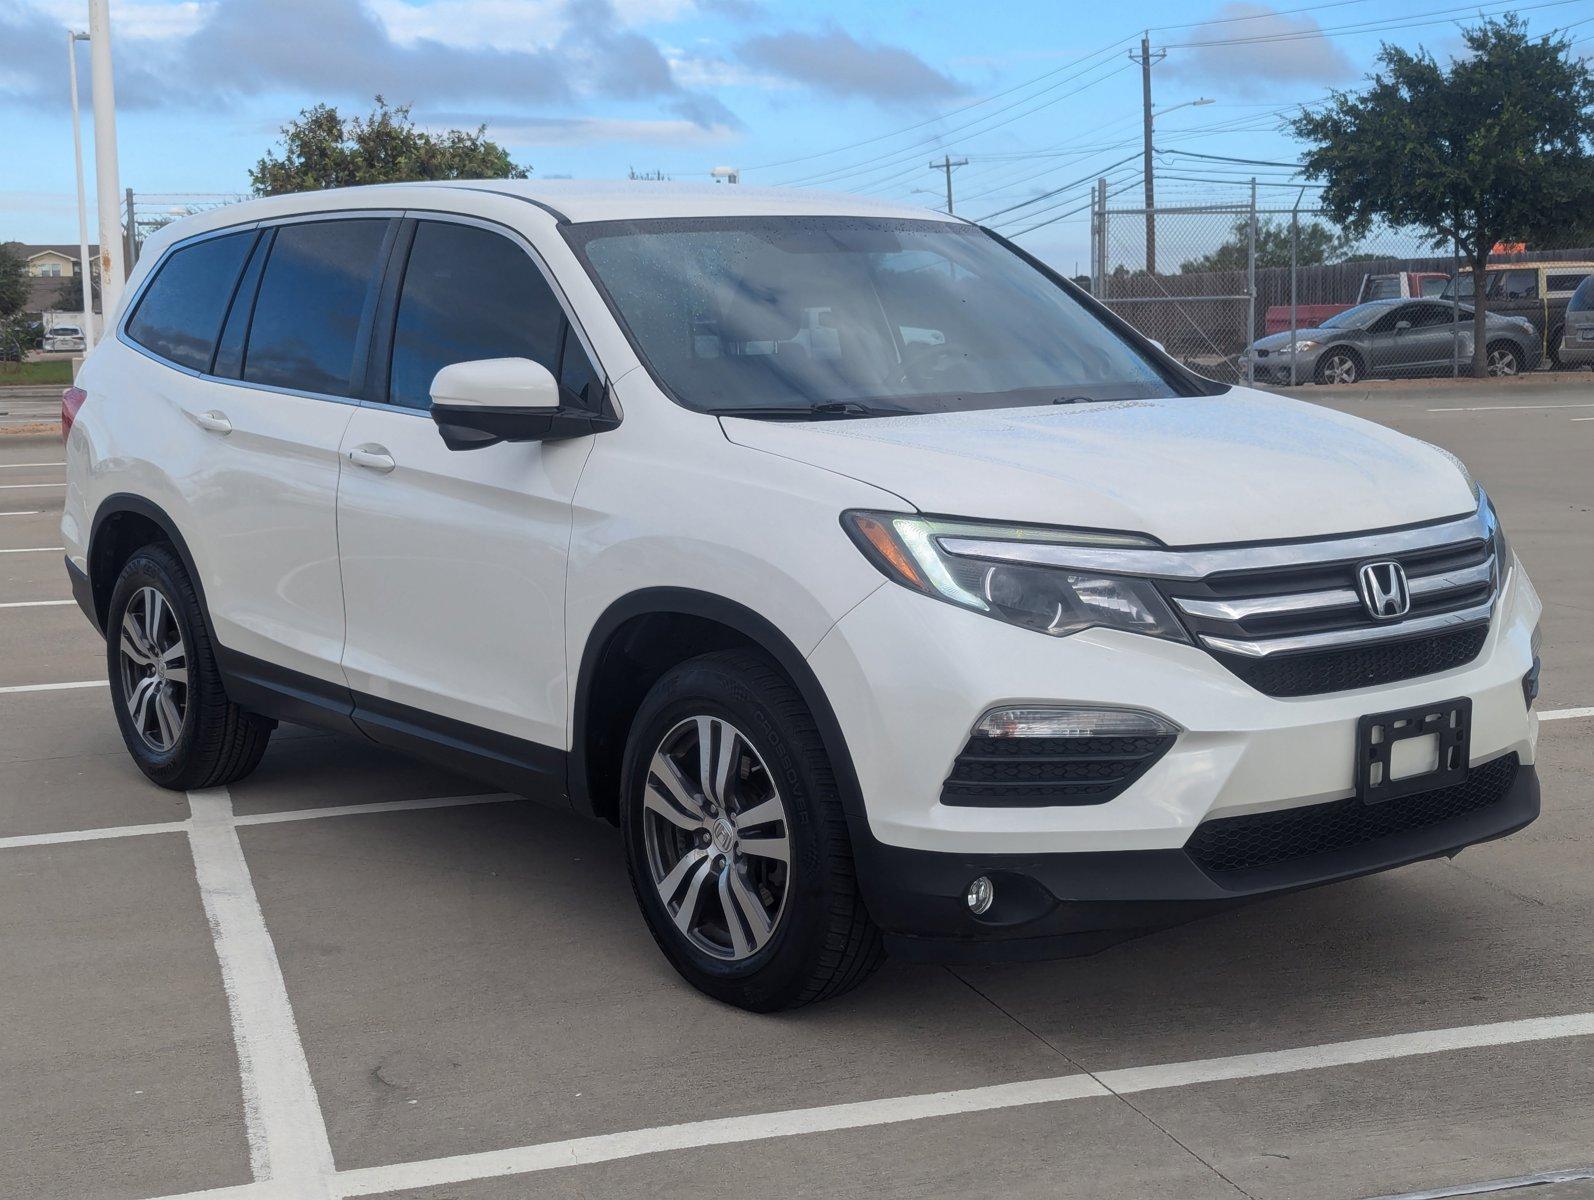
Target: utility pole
{"points": [[946, 164], [1146, 58], [107, 182], [84, 266]]}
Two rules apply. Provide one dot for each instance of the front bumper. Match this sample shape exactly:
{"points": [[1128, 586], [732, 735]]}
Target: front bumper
{"points": [[1063, 905]]}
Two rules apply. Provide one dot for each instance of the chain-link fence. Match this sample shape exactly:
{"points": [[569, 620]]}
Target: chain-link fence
{"points": [[1242, 293], [145, 212]]}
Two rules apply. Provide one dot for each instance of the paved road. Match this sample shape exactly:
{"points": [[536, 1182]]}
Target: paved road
{"points": [[334, 968]]}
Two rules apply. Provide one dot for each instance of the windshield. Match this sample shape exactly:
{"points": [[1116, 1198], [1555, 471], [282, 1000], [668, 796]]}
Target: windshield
{"points": [[1356, 317], [782, 314]]}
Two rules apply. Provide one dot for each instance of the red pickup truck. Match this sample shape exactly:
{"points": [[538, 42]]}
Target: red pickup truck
{"points": [[1396, 285]]}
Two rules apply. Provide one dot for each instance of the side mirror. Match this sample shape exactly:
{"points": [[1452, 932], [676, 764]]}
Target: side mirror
{"points": [[489, 400], [1158, 345]]}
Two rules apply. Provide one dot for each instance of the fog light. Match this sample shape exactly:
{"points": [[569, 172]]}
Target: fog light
{"points": [[1072, 723], [980, 896]]}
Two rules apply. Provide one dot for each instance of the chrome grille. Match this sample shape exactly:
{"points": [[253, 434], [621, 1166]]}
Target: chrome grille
{"points": [[1313, 611]]}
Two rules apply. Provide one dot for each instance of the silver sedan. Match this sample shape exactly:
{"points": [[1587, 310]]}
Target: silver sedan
{"points": [[1391, 337]]}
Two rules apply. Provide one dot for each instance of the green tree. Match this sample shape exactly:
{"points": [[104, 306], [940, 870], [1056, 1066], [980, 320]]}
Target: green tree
{"points": [[1494, 146], [323, 149], [1319, 243], [13, 281]]}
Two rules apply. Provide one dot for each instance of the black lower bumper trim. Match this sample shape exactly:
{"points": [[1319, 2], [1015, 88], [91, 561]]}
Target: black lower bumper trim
{"points": [[83, 592], [1062, 905]]}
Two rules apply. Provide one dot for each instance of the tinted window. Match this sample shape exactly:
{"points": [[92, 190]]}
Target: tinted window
{"points": [[1424, 316], [1382, 287], [468, 293], [1435, 286], [182, 308], [229, 358], [1583, 299], [1521, 284], [1563, 281], [320, 280]]}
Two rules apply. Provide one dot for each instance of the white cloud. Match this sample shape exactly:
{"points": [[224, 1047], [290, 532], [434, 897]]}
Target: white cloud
{"points": [[507, 24], [145, 19], [575, 131], [1251, 66]]}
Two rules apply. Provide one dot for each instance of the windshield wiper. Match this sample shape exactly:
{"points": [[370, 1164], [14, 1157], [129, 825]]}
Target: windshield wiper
{"points": [[826, 408], [1081, 400]]}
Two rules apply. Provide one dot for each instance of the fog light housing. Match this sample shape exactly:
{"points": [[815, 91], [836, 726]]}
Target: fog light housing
{"points": [[1069, 722], [981, 894]]}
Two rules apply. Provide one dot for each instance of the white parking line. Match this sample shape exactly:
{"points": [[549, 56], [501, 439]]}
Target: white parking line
{"points": [[25, 465], [17, 487], [1496, 1185], [34, 550], [1565, 714], [287, 1135], [15, 688], [607, 1147], [91, 835], [1508, 407], [34, 603]]}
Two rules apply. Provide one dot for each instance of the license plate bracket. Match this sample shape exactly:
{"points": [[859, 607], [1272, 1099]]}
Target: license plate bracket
{"points": [[1377, 734]]}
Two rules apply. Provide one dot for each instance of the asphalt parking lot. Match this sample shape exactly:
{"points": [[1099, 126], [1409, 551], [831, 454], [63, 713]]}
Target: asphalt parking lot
{"points": [[351, 975]]}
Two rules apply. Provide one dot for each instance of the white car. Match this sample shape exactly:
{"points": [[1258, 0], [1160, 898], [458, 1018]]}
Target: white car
{"points": [[885, 590], [63, 337]]}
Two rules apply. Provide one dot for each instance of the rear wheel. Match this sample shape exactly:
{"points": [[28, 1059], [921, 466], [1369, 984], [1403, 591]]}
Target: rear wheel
{"points": [[1504, 359], [1553, 349], [174, 714], [1339, 366], [735, 838]]}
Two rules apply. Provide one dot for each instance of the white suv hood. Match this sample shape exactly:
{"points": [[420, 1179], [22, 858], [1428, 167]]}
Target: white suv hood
{"points": [[1243, 466]]}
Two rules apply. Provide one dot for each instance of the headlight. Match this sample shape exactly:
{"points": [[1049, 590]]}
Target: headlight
{"points": [[1053, 600], [1305, 344]]}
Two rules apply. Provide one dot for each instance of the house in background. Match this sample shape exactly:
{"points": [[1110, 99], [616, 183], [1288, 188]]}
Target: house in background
{"points": [[54, 291]]}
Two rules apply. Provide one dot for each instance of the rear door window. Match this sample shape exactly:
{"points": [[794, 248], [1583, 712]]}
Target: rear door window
{"points": [[181, 311], [470, 293], [312, 313], [1564, 281]]}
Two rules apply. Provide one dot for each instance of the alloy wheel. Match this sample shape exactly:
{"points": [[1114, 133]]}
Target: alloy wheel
{"points": [[154, 663], [1340, 368], [717, 838], [1502, 362]]}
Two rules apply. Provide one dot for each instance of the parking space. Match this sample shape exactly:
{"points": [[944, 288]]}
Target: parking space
{"points": [[351, 974]]}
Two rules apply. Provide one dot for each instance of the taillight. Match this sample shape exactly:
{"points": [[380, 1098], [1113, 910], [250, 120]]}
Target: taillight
{"points": [[71, 400]]}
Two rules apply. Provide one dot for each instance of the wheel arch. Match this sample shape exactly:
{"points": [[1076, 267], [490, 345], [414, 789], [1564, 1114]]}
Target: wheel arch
{"points": [[616, 672], [123, 524]]}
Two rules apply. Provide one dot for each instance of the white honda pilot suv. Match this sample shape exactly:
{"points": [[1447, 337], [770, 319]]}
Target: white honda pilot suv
{"points": [[885, 590]]}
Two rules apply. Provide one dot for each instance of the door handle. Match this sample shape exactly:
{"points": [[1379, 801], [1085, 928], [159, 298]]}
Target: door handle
{"points": [[214, 421], [372, 457]]}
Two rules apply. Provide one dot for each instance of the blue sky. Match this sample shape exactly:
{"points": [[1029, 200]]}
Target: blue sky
{"points": [[1038, 95]]}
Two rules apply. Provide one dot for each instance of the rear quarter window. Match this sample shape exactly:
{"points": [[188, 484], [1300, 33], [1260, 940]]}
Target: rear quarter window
{"points": [[181, 310], [1582, 299]]}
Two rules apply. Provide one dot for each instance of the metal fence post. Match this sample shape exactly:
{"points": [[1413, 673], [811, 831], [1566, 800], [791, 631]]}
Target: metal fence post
{"points": [[1250, 292], [130, 238], [1295, 240], [1101, 239], [1455, 307]]}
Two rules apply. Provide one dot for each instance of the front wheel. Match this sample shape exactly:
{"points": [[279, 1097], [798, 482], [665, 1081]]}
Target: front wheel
{"points": [[1339, 366], [735, 838], [1504, 359]]}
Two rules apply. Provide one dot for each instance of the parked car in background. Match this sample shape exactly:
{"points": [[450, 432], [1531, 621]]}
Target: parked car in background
{"points": [[1538, 291], [1576, 348], [1390, 338], [63, 337], [1392, 285]]}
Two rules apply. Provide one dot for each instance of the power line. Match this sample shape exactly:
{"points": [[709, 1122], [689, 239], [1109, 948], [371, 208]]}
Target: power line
{"points": [[1058, 191], [1440, 16]]}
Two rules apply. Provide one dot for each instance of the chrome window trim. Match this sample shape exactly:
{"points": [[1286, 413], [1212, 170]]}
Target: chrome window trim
{"points": [[1197, 564], [1302, 602], [1334, 639]]}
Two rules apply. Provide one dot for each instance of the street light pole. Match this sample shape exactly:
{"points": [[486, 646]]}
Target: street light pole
{"points": [[1145, 58], [85, 268], [107, 181]]}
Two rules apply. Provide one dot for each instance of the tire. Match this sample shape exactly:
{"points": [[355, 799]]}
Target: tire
{"points": [[810, 938], [1339, 367], [173, 711], [1504, 359], [1553, 349]]}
